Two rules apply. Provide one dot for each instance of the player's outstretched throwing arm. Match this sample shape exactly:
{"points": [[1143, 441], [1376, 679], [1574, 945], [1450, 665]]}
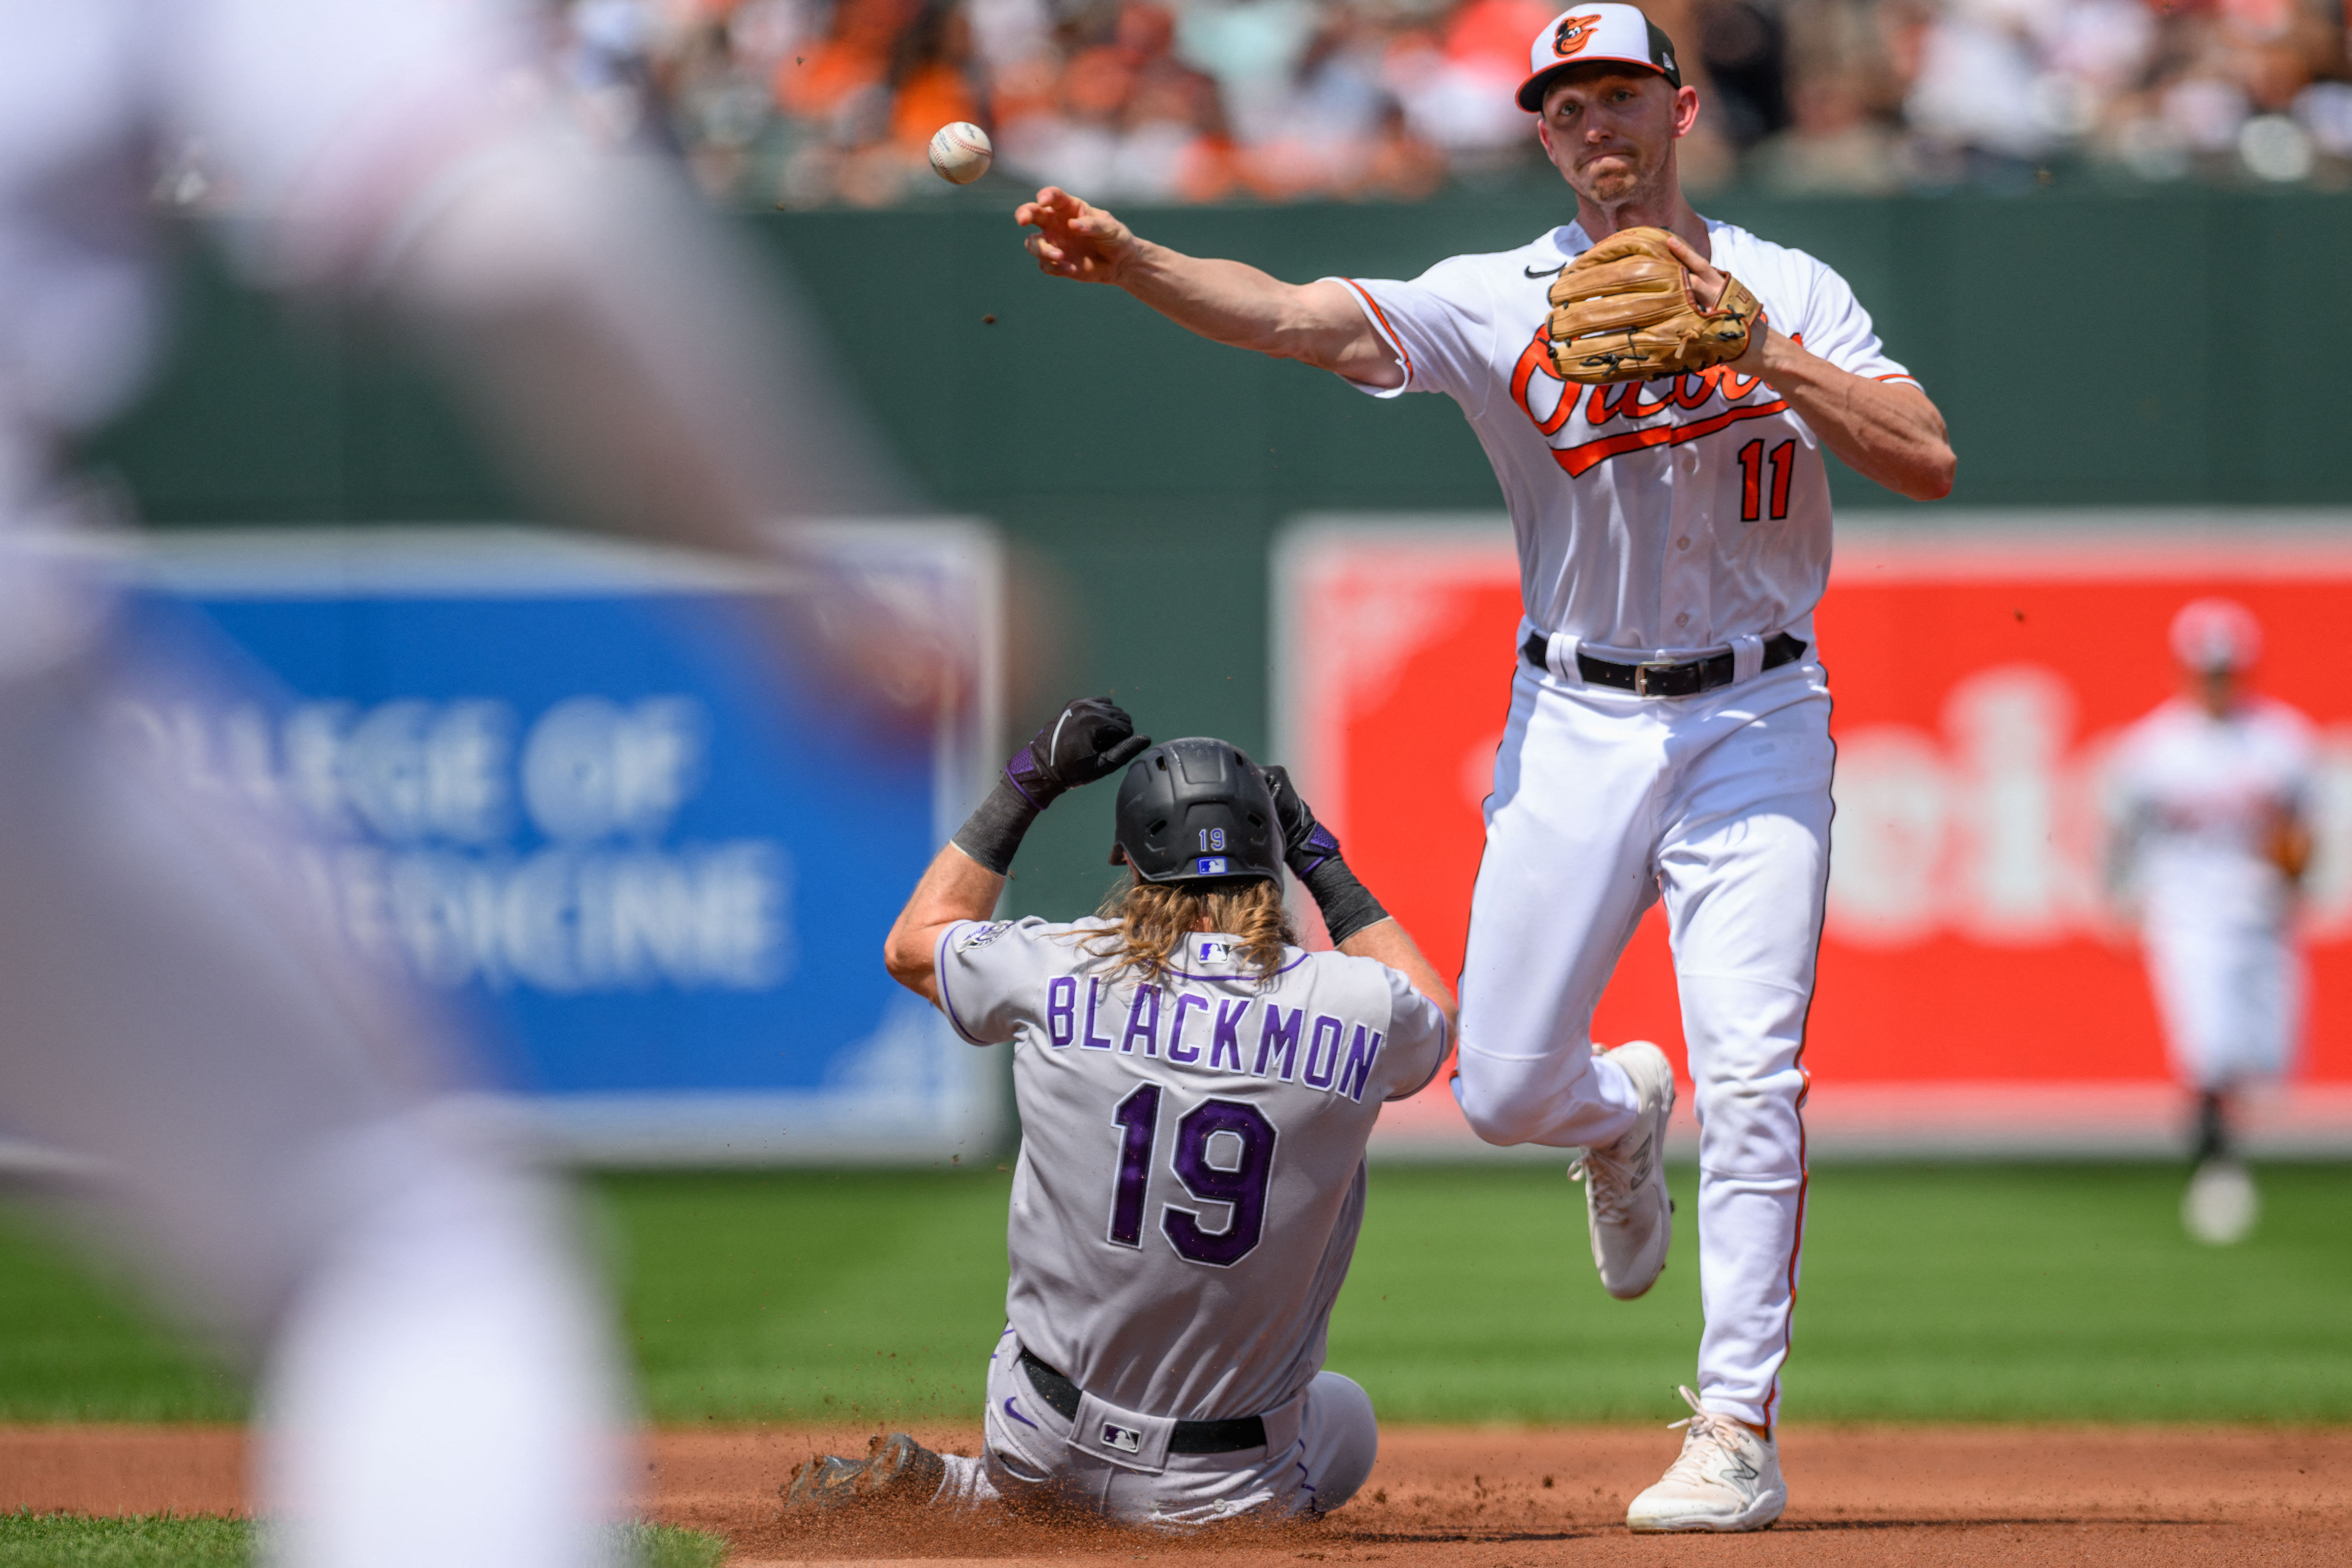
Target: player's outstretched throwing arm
{"points": [[1890, 431], [1318, 324]]}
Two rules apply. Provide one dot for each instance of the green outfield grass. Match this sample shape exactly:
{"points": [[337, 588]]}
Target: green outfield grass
{"points": [[73, 1347], [1967, 1293], [71, 1540], [165, 1540]]}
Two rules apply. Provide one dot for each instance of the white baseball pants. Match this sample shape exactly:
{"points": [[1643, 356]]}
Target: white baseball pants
{"points": [[1603, 801], [1319, 1450], [2231, 996]]}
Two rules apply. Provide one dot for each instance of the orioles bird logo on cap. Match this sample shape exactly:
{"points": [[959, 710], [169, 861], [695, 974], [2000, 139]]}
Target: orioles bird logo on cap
{"points": [[1572, 33]]}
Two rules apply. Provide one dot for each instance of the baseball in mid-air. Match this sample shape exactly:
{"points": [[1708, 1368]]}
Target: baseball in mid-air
{"points": [[960, 152]]}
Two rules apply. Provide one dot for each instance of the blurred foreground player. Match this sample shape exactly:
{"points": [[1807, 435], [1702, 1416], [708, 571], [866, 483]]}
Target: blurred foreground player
{"points": [[1195, 1093], [276, 1129], [2211, 795]]}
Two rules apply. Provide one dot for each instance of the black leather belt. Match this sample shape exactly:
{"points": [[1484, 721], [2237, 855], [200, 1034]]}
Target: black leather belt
{"points": [[1230, 1436], [1665, 678]]}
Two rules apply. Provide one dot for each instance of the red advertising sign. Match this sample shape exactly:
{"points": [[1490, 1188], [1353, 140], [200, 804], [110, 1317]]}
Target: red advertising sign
{"points": [[1972, 970]]}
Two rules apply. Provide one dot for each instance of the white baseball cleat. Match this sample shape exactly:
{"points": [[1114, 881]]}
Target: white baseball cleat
{"points": [[2221, 1205], [1725, 1478], [1626, 1206]]}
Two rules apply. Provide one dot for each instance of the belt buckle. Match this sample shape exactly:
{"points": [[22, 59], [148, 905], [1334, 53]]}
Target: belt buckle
{"points": [[1641, 675]]}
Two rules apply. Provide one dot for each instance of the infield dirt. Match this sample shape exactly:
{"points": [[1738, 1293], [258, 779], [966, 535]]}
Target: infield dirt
{"points": [[1460, 1497]]}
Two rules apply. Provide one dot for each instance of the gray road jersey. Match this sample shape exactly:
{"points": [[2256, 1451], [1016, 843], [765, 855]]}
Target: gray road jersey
{"points": [[1190, 1177]]}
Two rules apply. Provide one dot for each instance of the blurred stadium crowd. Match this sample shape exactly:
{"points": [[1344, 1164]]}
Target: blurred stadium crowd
{"points": [[816, 102]]}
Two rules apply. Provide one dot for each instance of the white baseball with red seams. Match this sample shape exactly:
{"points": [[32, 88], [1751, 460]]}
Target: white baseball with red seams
{"points": [[1665, 518], [961, 151]]}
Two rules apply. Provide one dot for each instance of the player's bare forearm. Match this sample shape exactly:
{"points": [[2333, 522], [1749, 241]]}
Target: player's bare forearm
{"points": [[1886, 431], [1393, 945], [1883, 431], [1090, 739], [955, 888], [1227, 302], [1234, 303]]}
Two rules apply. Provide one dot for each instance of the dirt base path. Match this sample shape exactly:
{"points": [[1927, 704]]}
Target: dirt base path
{"points": [[1456, 1498]]}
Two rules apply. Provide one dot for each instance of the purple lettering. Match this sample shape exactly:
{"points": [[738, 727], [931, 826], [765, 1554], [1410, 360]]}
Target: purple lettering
{"points": [[1226, 1043], [1061, 1010], [1243, 1187], [1330, 1059], [1091, 1040], [1362, 1052], [1275, 1032], [1143, 1022], [1137, 1119], [1177, 1051]]}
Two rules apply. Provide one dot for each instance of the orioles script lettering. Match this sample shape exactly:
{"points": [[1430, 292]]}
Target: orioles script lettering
{"points": [[1648, 414]]}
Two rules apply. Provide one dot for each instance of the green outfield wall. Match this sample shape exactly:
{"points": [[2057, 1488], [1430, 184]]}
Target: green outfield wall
{"points": [[2088, 350]]}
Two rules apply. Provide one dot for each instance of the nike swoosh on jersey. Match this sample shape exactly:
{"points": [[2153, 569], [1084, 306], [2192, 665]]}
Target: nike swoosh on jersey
{"points": [[1545, 271]]}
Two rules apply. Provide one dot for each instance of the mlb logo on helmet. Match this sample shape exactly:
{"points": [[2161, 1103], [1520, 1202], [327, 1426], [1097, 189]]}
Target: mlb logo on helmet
{"points": [[1211, 866], [1618, 34], [1125, 1439]]}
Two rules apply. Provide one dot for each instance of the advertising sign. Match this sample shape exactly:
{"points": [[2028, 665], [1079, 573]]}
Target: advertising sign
{"points": [[1978, 988], [577, 790]]}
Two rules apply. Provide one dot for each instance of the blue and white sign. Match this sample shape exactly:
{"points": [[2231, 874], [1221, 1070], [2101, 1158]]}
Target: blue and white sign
{"points": [[561, 782]]}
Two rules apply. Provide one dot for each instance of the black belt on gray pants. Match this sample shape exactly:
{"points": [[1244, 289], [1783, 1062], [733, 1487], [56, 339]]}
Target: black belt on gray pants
{"points": [[1665, 678], [1230, 1436]]}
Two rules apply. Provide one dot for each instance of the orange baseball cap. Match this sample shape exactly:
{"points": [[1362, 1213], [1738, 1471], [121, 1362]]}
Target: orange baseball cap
{"points": [[1582, 34]]}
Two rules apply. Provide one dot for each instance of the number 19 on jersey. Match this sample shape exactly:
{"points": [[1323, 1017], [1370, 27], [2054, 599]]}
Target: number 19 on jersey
{"points": [[1240, 1184]]}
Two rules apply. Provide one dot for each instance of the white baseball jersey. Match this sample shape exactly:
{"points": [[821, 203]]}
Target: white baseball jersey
{"points": [[1191, 1168], [1656, 517], [2200, 796]]}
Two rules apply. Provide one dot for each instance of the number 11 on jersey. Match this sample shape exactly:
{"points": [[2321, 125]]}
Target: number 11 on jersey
{"points": [[1751, 480]]}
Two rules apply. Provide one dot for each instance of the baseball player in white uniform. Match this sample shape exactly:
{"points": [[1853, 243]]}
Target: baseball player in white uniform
{"points": [[1668, 732], [1195, 1095], [280, 1135], [2210, 796]]}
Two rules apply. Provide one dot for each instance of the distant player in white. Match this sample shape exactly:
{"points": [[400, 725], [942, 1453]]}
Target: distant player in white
{"points": [[1195, 1094], [2211, 795], [1669, 725]]}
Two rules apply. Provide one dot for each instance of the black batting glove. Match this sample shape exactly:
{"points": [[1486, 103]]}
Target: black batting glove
{"points": [[1312, 852], [1305, 842], [1090, 739]]}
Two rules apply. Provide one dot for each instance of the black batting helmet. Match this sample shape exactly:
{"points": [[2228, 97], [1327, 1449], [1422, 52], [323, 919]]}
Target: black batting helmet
{"points": [[1194, 809]]}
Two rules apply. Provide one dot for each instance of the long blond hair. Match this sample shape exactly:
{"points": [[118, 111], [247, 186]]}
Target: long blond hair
{"points": [[1154, 919]]}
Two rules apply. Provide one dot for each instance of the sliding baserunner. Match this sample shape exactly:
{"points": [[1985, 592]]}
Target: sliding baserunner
{"points": [[1195, 1094]]}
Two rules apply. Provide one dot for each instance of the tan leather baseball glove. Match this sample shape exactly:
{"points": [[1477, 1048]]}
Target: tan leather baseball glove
{"points": [[1623, 311]]}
